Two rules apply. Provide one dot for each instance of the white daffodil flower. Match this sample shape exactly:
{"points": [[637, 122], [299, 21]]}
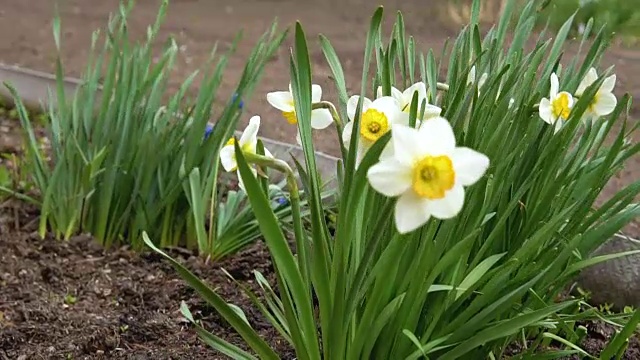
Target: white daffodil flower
{"points": [[377, 118], [283, 101], [248, 143], [604, 101], [556, 109], [427, 172], [404, 101]]}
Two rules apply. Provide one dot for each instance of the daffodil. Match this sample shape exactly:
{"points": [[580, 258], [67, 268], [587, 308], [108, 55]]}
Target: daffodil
{"points": [[248, 143], [283, 101], [404, 101], [376, 120], [427, 172], [556, 109], [604, 101]]}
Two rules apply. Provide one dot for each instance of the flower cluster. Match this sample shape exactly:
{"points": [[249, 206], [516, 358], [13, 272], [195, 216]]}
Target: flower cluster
{"points": [[556, 109], [421, 165]]}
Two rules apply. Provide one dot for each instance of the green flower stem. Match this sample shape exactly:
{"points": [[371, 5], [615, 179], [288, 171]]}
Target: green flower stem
{"points": [[294, 194]]}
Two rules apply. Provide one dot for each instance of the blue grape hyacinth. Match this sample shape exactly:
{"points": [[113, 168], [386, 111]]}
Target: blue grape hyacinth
{"points": [[209, 129]]}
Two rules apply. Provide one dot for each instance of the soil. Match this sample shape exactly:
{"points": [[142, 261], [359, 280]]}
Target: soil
{"points": [[75, 300]]}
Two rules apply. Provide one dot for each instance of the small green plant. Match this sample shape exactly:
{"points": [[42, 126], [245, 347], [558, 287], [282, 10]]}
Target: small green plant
{"points": [[465, 205], [123, 157], [15, 178]]}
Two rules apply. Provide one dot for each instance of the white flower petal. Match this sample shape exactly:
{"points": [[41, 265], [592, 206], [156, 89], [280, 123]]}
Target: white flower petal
{"points": [[411, 212], [558, 126], [241, 182], [437, 136], [389, 106], [316, 93], [396, 94], [268, 153], [606, 104], [281, 100], [431, 111], [449, 206], [545, 111], [346, 133], [249, 136], [482, 80], [352, 105], [471, 77], [321, 118], [388, 151], [390, 177], [299, 138], [407, 95], [588, 79], [555, 86], [608, 84], [469, 165], [360, 152], [408, 145], [228, 158]]}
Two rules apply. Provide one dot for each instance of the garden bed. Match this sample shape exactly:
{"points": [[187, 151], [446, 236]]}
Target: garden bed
{"points": [[68, 300]]}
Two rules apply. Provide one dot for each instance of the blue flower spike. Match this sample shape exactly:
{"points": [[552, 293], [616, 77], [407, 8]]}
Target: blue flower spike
{"points": [[240, 104], [209, 129]]}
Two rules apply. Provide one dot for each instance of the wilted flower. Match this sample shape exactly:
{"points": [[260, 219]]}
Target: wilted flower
{"points": [[604, 101], [377, 118], [428, 173], [404, 101], [283, 101], [248, 143], [556, 109]]}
